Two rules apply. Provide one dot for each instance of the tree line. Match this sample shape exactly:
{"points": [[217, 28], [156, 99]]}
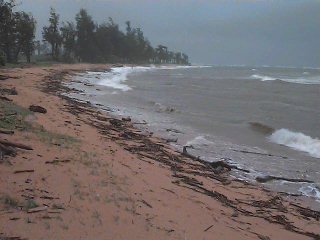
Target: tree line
{"points": [[17, 33], [82, 40]]}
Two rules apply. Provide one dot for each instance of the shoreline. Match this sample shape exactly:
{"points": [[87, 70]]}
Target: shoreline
{"points": [[156, 179], [91, 84]]}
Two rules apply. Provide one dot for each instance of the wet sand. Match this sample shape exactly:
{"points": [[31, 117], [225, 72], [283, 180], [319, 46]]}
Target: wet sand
{"points": [[92, 176]]}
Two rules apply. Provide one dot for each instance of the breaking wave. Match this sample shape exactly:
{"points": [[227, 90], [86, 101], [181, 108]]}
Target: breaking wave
{"points": [[297, 141], [199, 141], [310, 80], [118, 76], [263, 78], [310, 191]]}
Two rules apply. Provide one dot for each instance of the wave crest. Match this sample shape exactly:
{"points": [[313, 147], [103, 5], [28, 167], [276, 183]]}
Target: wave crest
{"points": [[117, 77], [310, 80], [297, 141]]}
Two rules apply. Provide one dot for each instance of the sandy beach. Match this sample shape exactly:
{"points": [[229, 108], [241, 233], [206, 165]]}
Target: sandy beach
{"points": [[92, 176]]}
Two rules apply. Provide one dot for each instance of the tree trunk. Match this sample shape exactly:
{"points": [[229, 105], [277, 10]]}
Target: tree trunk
{"points": [[52, 50], [28, 55]]}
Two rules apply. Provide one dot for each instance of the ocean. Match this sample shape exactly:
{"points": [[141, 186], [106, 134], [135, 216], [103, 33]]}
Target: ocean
{"points": [[263, 119]]}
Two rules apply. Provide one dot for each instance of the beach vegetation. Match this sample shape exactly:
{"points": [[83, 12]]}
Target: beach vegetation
{"points": [[9, 201], [29, 204], [53, 138], [87, 41], [13, 116], [17, 32]]}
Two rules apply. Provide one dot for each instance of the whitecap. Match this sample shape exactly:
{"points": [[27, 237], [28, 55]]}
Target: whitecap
{"points": [[263, 78], [310, 191], [297, 141], [199, 141], [309, 80]]}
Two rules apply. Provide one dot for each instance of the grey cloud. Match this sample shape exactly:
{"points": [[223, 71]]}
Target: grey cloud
{"points": [[244, 32]]}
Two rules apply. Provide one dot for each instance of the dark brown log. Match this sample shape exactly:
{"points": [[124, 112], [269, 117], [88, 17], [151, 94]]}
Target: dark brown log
{"points": [[17, 145], [57, 161], [2, 77], [4, 131], [37, 209], [208, 228], [271, 178], [39, 109], [23, 171], [5, 99], [258, 153], [145, 203]]}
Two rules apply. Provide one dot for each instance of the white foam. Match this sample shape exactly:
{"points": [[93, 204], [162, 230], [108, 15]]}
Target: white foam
{"points": [[263, 78], [199, 141], [310, 191], [297, 141], [309, 80], [117, 77], [173, 67]]}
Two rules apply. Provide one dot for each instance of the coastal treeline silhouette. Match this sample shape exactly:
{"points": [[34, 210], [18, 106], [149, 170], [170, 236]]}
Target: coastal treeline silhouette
{"points": [[80, 41], [17, 33]]}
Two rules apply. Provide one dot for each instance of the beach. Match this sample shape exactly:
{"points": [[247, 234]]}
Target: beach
{"points": [[91, 175]]}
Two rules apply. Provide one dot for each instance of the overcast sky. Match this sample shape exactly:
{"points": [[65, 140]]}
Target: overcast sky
{"points": [[220, 32]]}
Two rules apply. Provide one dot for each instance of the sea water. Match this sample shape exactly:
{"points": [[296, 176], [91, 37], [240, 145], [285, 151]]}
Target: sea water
{"points": [[264, 119]]}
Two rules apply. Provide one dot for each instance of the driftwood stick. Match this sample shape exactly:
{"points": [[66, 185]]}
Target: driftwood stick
{"points": [[145, 203], [271, 178], [258, 153], [208, 228], [17, 145], [37, 209], [4, 131], [57, 161], [23, 171], [5, 99]]}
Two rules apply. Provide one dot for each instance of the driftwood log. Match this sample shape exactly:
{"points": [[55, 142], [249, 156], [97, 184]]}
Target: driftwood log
{"points": [[16, 145], [2, 77], [39, 109], [4, 131], [271, 178]]}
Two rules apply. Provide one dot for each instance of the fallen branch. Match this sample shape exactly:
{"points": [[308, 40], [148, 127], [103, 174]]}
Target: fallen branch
{"points": [[2, 77], [258, 153], [39, 109], [271, 178], [5, 99], [17, 145], [23, 171], [4, 131], [37, 209], [208, 228], [145, 203], [57, 161]]}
